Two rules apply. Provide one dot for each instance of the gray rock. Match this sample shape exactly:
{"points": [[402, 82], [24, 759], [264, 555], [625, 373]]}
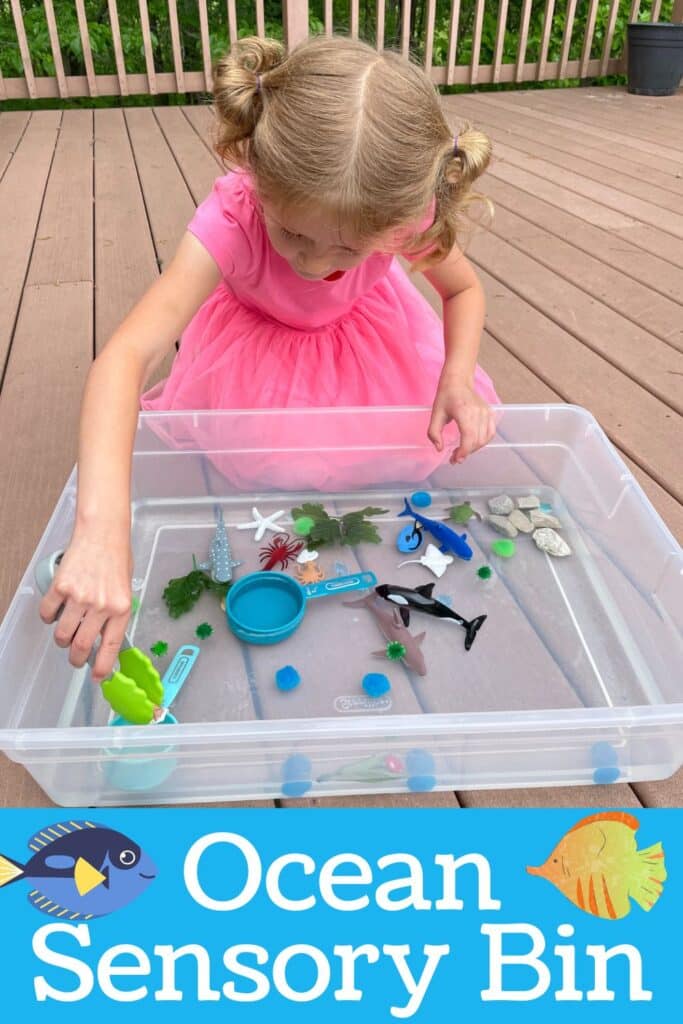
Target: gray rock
{"points": [[540, 519], [528, 501], [549, 541], [502, 505], [502, 525], [520, 521]]}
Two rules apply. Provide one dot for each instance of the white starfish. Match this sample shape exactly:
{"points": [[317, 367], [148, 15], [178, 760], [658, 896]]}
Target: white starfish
{"points": [[262, 523]]}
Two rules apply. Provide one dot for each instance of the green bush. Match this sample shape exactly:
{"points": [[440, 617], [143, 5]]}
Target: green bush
{"points": [[188, 16]]}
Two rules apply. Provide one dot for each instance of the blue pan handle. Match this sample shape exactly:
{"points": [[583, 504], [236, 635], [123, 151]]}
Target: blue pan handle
{"points": [[178, 671], [341, 585]]}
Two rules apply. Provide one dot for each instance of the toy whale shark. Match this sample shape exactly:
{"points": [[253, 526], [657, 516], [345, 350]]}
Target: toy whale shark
{"points": [[421, 600], [220, 563], [447, 538]]}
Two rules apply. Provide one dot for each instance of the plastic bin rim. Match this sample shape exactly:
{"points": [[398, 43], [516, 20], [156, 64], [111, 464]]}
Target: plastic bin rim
{"points": [[399, 728]]}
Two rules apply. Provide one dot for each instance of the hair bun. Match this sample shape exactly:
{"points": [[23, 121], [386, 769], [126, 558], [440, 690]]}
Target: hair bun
{"points": [[239, 86]]}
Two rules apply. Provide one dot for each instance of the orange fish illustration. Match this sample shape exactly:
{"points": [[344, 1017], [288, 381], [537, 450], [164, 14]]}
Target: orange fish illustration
{"points": [[598, 866]]}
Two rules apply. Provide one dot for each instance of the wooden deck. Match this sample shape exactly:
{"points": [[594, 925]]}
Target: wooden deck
{"points": [[582, 268]]}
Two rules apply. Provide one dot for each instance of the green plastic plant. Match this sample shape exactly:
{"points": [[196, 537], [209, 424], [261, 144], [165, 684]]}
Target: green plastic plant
{"points": [[351, 528], [183, 592]]}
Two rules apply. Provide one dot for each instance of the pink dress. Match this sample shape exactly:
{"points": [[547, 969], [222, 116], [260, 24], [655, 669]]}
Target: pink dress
{"points": [[267, 338]]}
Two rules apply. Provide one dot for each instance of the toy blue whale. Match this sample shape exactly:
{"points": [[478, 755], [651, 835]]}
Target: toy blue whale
{"points": [[448, 539]]}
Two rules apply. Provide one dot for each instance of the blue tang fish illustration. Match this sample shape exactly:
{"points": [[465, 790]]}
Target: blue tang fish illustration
{"points": [[80, 870]]}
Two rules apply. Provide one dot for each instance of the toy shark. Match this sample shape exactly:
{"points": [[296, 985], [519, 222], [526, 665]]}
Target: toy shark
{"points": [[395, 630], [448, 539], [421, 600], [220, 563]]}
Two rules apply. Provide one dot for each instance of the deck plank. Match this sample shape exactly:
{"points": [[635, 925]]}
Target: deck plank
{"points": [[198, 166], [536, 102], [520, 123], [636, 420], [12, 127], [21, 196], [657, 366], [561, 152], [63, 250], [582, 269], [125, 261]]}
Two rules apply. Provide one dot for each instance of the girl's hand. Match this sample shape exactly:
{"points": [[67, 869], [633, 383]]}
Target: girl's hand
{"points": [[92, 589], [457, 400]]}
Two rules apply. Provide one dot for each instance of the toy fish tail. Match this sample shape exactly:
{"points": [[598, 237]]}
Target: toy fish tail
{"points": [[649, 876], [407, 510], [471, 630], [10, 870]]}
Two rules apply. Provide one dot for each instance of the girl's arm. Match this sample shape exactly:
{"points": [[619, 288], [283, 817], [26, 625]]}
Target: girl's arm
{"points": [[93, 580], [463, 318]]}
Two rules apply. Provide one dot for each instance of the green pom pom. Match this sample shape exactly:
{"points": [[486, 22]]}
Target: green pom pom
{"points": [[395, 650], [159, 648], [303, 526], [504, 548], [203, 630], [485, 572]]}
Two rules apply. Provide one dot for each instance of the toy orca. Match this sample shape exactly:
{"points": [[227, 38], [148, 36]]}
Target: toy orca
{"points": [[420, 599], [447, 538]]}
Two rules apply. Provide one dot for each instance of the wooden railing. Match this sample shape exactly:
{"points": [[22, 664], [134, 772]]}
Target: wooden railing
{"points": [[546, 39]]}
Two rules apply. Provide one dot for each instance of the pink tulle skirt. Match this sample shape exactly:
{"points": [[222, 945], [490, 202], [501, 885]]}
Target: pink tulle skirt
{"points": [[386, 351]]}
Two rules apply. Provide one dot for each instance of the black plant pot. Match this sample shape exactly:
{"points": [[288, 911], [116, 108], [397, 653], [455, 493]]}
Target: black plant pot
{"points": [[655, 58]]}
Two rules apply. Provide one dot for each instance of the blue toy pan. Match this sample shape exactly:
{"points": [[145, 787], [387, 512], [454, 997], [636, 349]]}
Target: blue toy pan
{"points": [[267, 607]]}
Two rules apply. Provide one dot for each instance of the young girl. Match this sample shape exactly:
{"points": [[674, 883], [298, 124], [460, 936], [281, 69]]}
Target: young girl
{"points": [[288, 282]]}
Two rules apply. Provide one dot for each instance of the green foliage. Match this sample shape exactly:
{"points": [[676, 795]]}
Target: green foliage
{"points": [[352, 528], [183, 592], [190, 35]]}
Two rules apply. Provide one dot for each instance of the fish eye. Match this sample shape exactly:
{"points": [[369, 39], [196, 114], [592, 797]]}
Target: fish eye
{"points": [[554, 860], [127, 858]]}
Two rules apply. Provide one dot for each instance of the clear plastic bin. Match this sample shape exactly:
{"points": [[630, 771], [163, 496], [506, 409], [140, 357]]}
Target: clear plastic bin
{"points": [[575, 677]]}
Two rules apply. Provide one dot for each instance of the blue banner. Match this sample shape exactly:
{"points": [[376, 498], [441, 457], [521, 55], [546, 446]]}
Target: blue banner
{"points": [[376, 915]]}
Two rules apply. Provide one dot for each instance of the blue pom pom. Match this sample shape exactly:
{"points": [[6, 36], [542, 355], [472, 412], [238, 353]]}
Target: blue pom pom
{"points": [[296, 775], [375, 684], [420, 768], [606, 775], [421, 783], [421, 499], [287, 678], [603, 753], [419, 762]]}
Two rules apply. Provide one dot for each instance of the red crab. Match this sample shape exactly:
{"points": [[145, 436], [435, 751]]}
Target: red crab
{"points": [[281, 550]]}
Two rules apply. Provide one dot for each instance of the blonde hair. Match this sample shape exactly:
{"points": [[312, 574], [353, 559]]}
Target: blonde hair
{"points": [[357, 132]]}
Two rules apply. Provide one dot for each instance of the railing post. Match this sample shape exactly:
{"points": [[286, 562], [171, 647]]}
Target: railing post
{"points": [[295, 21]]}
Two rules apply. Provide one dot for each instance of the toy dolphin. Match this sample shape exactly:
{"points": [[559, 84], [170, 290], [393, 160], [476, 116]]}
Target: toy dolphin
{"points": [[395, 630], [448, 539], [421, 600]]}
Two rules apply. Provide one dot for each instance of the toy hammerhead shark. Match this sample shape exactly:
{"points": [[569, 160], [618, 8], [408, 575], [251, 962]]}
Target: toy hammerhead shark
{"points": [[405, 598], [391, 624], [448, 539]]}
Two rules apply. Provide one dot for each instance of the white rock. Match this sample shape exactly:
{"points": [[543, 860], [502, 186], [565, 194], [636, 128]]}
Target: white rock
{"points": [[540, 519], [501, 524], [520, 521], [502, 505], [549, 541], [528, 501]]}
